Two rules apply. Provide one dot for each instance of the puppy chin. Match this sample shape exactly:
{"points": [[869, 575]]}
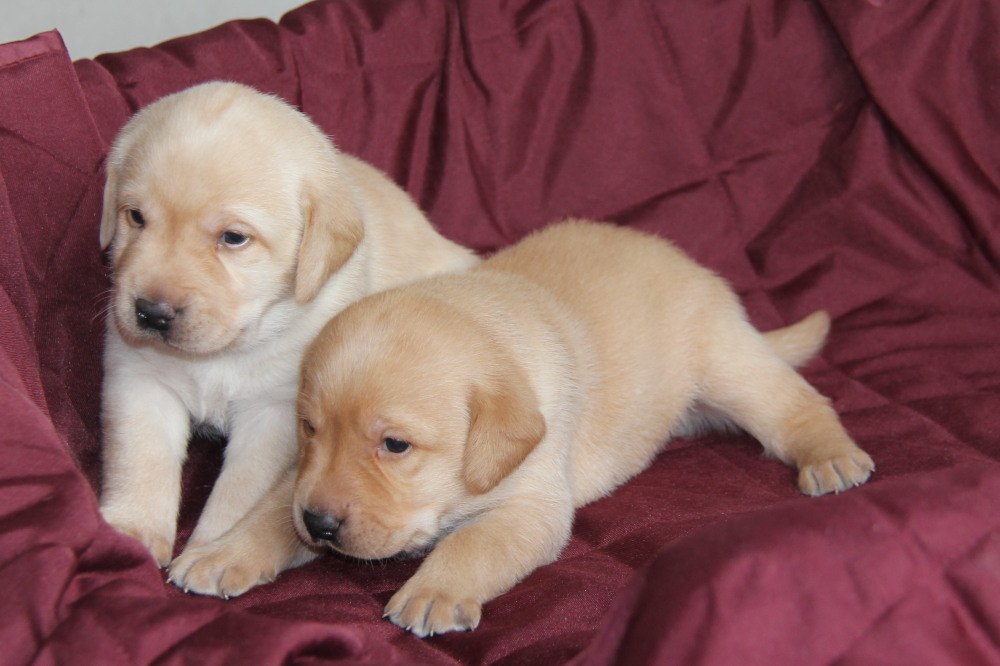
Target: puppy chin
{"points": [[170, 342], [419, 545], [425, 532], [415, 546]]}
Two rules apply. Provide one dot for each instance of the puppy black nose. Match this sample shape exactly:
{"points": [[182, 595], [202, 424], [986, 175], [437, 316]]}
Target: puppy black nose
{"points": [[154, 316], [321, 527]]}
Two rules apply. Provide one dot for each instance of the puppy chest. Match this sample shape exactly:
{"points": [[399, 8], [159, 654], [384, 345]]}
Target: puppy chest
{"points": [[217, 398]]}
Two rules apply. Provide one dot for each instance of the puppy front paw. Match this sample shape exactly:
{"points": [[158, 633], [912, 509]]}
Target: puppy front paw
{"points": [[426, 611], [158, 541], [220, 569], [836, 474]]}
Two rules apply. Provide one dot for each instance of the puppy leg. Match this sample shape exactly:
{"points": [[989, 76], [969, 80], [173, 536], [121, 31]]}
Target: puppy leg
{"points": [[795, 345], [253, 552], [761, 393], [478, 562], [146, 431], [262, 444]]}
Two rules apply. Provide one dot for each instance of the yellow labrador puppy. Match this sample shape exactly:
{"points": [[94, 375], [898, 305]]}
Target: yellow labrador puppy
{"points": [[472, 413], [236, 231]]}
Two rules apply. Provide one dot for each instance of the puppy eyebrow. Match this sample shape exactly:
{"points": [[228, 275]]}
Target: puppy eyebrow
{"points": [[304, 410], [127, 199], [252, 215]]}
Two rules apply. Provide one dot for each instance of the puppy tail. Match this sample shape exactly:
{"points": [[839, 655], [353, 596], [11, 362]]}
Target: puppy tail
{"points": [[799, 343]]}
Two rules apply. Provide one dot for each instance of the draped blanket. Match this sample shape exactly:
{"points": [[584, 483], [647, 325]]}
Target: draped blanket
{"points": [[825, 154]]}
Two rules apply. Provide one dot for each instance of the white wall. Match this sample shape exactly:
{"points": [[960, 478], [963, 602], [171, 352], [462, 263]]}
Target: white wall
{"points": [[90, 27]]}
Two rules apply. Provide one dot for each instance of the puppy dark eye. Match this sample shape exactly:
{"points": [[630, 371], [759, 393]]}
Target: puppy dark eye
{"points": [[393, 445], [233, 239], [136, 218], [308, 428]]}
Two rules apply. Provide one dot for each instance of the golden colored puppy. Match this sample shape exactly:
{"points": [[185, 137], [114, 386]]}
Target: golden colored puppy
{"points": [[472, 413], [236, 231]]}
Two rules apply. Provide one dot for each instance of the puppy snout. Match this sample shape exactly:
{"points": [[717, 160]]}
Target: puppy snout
{"points": [[154, 316], [321, 526]]}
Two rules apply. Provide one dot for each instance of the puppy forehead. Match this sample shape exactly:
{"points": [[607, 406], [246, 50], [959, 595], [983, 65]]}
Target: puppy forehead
{"points": [[391, 368], [393, 397], [219, 168], [378, 402], [215, 147]]}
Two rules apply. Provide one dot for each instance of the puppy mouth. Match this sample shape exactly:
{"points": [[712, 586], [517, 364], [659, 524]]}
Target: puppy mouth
{"points": [[337, 536], [174, 340], [175, 328], [349, 550]]}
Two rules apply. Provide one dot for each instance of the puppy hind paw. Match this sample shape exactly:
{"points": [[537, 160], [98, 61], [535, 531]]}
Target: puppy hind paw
{"points": [[835, 474], [428, 614]]}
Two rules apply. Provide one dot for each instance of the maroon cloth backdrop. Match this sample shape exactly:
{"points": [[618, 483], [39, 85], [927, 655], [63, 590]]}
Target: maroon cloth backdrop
{"points": [[837, 154]]}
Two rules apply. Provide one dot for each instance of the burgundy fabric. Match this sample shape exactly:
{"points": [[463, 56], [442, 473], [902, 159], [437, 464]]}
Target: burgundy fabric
{"points": [[826, 154]]}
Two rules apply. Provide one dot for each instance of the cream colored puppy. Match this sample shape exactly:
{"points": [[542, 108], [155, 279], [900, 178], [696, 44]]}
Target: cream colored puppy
{"points": [[236, 231], [472, 413]]}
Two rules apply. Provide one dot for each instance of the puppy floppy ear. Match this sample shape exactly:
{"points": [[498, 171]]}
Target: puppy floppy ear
{"points": [[506, 426], [109, 213], [332, 230]]}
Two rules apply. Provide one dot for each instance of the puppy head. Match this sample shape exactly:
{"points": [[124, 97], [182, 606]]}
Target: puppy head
{"points": [[220, 204], [409, 414]]}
